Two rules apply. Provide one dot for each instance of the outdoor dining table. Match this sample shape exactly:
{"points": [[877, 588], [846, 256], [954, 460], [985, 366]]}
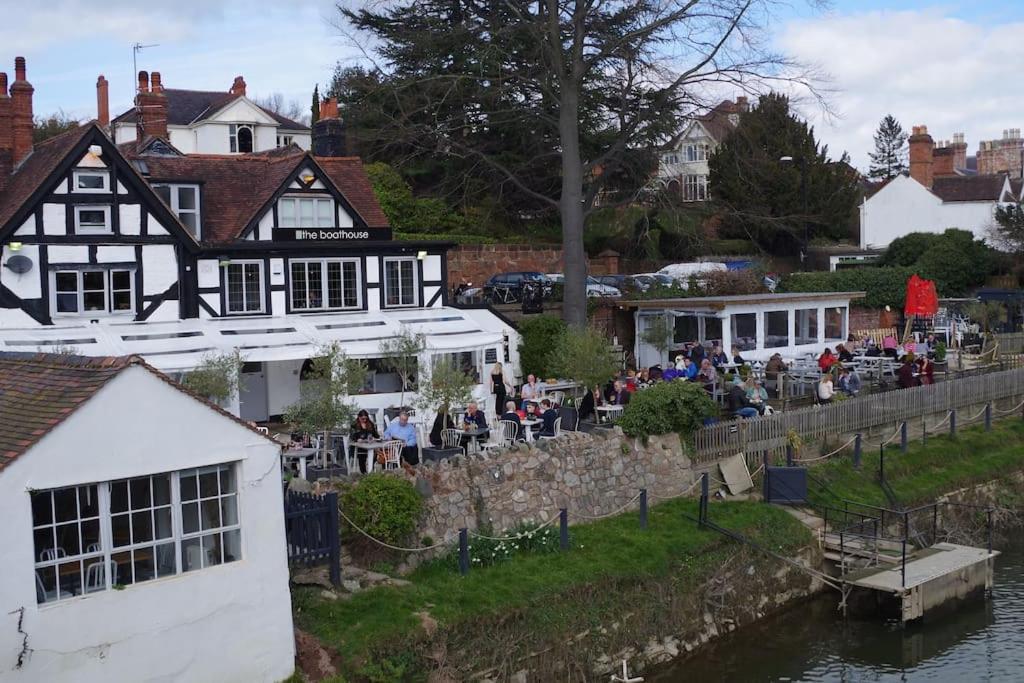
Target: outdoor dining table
{"points": [[301, 455], [528, 426], [474, 435], [368, 445]]}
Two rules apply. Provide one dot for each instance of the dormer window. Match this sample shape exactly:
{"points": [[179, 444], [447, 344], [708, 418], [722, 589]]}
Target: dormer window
{"points": [[91, 181], [183, 200], [240, 138], [305, 212]]}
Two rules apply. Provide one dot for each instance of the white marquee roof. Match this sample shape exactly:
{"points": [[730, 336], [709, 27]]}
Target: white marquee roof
{"points": [[182, 344]]}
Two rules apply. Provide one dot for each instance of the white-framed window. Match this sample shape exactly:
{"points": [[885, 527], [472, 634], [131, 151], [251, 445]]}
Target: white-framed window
{"points": [[324, 284], [835, 323], [244, 286], [92, 219], [240, 138], [806, 326], [695, 152], [183, 200], [91, 181], [695, 188], [92, 291], [306, 212], [96, 537], [400, 282], [285, 140]]}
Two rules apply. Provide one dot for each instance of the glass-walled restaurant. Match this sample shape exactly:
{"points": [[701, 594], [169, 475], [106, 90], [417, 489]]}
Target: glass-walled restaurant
{"points": [[757, 326]]}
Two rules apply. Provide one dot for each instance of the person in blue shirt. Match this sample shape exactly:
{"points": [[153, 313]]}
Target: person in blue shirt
{"points": [[690, 370], [406, 433]]}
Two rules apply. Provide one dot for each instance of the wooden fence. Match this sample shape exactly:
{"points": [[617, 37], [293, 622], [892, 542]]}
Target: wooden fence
{"points": [[855, 415], [311, 530]]}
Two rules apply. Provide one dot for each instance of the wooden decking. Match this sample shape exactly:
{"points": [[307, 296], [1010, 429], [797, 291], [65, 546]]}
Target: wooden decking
{"points": [[940, 560]]}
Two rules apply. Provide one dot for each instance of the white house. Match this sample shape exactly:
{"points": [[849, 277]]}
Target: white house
{"points": [[202, 121], [143, 530], [933, 198], [140, 249], [758, 325], [683, 166]]}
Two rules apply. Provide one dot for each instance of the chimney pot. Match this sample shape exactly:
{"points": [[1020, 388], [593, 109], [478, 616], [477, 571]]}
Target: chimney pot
{"points": [[155, 84], [21, 113], [150, 107], [143, 81], [19, 68], [102, 101], [6, 134], [238, 86]]}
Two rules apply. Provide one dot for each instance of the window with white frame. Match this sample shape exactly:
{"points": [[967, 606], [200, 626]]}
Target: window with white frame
{"points": [[835, 323], [695, 188], [324, 284], [244, 286], [240, 138], [305, 212], [92, 219], [183, 200], [806, 326], [285, 140], [91, 291], [400, 282], [91, 181], [96, 537]]}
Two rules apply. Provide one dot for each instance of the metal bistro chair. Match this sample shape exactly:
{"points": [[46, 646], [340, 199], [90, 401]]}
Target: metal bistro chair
{"points": [[504, 436], [556, 397], [558, 430], [95, 578], [451, 438], [613, 413], [392, 454]]}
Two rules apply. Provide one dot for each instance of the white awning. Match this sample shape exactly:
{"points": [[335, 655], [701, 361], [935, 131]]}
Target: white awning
{"points": [[181, 344]]}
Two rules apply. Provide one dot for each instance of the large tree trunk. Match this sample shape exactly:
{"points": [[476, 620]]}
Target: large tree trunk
{"points": [[574, 304]]}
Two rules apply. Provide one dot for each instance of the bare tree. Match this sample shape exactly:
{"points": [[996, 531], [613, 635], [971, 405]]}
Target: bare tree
{"points": [[290, 109], [583, 83]]}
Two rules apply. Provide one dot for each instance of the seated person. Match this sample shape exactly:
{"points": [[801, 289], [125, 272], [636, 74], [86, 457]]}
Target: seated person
{"points": [[757, 396], [890, 346], [549, 415], [631, 380], [402, 430], [826, 360], [775, 367], [474, 419], [690, 369], [736, 357], [655, 373], [906, 376], [619, 395], [843, 354], [825, 389], [707, 375], [531, 391], [697, 353], [925, 370], [442, 421], [719, 357], [870, 348], [849, 382], [930, 343], [511, 415], [736, 402], [363, 429], [590, 402], [643, 379]]}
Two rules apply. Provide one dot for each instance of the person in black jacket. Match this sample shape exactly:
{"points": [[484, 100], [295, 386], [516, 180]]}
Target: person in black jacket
{"points": [[590, 402], [363, 429], [442, 421], [549, 415]]}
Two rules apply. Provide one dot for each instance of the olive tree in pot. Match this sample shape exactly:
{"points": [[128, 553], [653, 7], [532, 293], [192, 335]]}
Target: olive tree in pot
{"points": [[658, 334], [446, 385], [217, 377], [326, 402], [586, 357], [400, 354]]}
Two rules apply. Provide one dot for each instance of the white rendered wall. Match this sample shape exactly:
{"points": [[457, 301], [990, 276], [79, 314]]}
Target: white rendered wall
{"points": [[24, 285], [226, 623], [905, 206]]}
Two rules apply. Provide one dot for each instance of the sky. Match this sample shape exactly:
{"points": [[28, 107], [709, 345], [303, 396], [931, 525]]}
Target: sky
{"points": [[952, 65]]}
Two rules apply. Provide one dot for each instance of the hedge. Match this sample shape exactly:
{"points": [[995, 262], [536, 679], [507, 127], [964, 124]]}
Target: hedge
{"points": [[884, 286]]}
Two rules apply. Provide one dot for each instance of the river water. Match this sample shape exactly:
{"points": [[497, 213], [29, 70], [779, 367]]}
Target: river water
{"points": [[981, 641]]}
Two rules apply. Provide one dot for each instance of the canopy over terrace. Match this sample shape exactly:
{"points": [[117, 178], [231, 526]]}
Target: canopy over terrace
{"points": [[283, 342], [758, 325]]}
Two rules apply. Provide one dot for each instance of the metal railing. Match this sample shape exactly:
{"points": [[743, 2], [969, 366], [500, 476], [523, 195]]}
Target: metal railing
{"points": [[854, 415]]}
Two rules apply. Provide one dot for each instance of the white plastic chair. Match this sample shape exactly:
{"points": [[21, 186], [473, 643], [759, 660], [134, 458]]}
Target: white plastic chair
{"points": [[556, 397], [95, 578], [613, 413], [392, 454], [43, 595], [504, 436], [557, 429], [263, 430], [451, 438]]}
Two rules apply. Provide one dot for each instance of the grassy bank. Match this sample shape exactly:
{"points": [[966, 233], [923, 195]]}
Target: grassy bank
{"points": [[929, 470], [550, 596]]}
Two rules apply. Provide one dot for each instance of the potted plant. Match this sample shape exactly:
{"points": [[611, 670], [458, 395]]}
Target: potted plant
{"points": [[400, 354], [447, 385], [216, 377], [585, 357], [658, 334], [940, 357]]}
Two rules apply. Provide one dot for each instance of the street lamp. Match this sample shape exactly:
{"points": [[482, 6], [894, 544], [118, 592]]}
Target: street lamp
{"points": [[801, 163]]}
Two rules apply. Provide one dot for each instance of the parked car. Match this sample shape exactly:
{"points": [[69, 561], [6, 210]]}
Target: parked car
{"points": [[648, 280], [623, 283], [507, 288], [594, 287]]}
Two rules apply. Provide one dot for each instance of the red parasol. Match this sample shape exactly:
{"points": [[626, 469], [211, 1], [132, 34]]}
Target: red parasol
{"points": [[921, 297]]}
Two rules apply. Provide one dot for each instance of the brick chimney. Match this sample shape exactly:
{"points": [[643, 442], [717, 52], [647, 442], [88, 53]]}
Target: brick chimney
{"points": [[922, 147], [959, 151], [102, 101], [21, 112], [238, 86], [943, 158], [150, 107], [6, 140], [329, 131], [742, 104]]}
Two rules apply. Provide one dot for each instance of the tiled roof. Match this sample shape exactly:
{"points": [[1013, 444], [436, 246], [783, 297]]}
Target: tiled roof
{"points": [[36, 167], [185, 107], [237, 186], [716, 122], [38, 391], [978, 188]]}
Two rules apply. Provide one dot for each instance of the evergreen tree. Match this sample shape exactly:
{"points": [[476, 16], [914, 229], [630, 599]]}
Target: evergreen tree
{"points": [[314, 111], [890, 156], [775, 186]]}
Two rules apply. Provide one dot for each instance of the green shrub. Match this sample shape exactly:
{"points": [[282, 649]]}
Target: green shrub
{"points": [[884, 286], [540, 334], [387, 508], [667, 407], [451, 237]]}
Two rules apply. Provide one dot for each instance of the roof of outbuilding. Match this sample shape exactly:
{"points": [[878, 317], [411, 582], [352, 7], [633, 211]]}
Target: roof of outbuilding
{"points": [[38, 391], [977, 188], [185, 107]]}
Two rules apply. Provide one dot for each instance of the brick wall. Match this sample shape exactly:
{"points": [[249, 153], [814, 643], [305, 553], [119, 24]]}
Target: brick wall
{"points": [[476, 263]]}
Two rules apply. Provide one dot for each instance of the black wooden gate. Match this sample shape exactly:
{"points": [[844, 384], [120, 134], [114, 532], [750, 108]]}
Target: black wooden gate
{"points": [[311, 531]]}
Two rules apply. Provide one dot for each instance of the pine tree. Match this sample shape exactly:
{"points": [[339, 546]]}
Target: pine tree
{"points": [[890, 156], [314, 111]]}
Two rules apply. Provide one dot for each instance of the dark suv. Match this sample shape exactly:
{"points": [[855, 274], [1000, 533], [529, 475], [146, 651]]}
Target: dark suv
{"points": [[507, 288]]}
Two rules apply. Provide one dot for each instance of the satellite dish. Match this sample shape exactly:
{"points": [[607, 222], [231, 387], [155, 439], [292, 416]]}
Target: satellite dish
{"points": [[19, 263]]}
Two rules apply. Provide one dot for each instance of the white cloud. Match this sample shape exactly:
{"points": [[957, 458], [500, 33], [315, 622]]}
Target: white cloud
{"points": [[924, 67]]}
